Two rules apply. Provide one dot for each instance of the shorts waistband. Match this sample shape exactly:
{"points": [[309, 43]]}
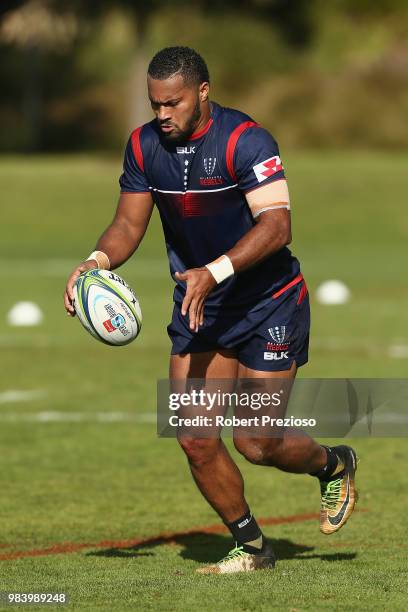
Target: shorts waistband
{"points": [[294, 281]]}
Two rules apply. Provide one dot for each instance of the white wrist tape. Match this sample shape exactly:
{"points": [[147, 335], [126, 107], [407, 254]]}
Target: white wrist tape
{"points": [[221, 268], [101, 259]]}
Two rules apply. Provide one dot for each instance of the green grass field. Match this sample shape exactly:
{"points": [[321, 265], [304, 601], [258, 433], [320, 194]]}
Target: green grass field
{"points": [[81, 463]]}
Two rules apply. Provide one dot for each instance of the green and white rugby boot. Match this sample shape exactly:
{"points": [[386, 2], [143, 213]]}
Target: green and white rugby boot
{"points": [[240, 560]]}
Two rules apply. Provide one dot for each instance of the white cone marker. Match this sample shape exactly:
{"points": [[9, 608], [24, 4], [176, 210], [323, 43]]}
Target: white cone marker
{"points": [[25, 314], [333, 292]]}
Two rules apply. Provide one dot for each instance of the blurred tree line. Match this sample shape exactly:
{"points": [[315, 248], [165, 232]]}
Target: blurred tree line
{"points": [[318, 74]]}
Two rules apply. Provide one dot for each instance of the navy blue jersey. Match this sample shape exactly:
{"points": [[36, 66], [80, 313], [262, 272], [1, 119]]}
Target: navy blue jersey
{"points": [[199, 188]]}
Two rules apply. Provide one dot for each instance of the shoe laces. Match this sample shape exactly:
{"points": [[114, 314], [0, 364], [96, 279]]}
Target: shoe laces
{"points": [[331, 491], [237, 551]]}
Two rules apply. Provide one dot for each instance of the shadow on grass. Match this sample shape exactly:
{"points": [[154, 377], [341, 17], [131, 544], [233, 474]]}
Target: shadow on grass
{"points": [[207, 548]]}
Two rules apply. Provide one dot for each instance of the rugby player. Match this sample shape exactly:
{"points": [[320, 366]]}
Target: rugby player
{"points": [[241, 307]]}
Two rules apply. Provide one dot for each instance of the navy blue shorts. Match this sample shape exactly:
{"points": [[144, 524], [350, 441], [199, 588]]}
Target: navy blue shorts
{"points": [[268, 338]]}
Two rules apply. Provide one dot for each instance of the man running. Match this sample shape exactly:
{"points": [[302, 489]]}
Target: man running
{"points": [[241, 307]]}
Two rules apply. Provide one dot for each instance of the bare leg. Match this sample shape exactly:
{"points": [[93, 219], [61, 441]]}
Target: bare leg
{"points": [[215, 473], [291, 453]]}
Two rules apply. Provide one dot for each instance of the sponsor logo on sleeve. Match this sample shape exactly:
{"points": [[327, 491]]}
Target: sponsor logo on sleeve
{"points": [[268, 168]]}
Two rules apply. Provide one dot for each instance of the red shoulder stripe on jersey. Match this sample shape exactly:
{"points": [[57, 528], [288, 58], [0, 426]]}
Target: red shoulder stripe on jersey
{"points": [[295, 281], [137, 149], [232, 143]]}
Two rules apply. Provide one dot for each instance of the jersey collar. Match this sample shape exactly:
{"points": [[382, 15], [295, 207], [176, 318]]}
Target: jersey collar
{"points": [[203, 131], [215, 111]]}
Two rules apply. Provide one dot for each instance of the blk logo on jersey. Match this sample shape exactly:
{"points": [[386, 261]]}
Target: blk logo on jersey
{"points": [[185, 150], [268, 168]]}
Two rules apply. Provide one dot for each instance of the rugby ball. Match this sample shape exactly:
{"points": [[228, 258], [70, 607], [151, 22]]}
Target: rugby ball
{"points": [[107, 307]]}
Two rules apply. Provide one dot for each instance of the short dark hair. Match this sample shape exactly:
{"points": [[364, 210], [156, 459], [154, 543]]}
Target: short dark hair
{"points": [[179, 60]]}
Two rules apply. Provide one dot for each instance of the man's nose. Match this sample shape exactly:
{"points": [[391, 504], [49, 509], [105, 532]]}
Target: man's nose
{"points": [[163, 113]]}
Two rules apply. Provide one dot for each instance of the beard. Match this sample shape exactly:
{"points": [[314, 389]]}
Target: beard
{"points": [[179, 135]]}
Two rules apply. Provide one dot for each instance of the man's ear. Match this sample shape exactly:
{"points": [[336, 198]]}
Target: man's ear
{"points": [[204, 91]]}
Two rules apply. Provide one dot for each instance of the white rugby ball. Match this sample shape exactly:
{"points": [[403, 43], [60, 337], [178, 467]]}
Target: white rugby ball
{"points": [[107, 307]]}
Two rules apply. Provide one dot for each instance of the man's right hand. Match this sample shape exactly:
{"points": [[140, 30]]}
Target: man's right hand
{"points": [[91, 264]]}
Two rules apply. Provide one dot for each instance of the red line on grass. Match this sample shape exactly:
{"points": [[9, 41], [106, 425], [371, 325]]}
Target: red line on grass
{"points": [[161, 538]]}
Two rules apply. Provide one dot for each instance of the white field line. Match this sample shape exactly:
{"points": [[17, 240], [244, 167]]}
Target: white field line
{"points": [[337, 343], [53, 416], [20, 395], [33, 340], [389, 418], [42, 341]]}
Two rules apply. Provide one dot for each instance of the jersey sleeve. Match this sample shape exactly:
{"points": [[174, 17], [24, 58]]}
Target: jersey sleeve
{"points": [[133, 179], [256, 159]]}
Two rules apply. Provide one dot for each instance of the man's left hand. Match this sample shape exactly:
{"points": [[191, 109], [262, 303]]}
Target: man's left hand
{"points": [[199, 283]]}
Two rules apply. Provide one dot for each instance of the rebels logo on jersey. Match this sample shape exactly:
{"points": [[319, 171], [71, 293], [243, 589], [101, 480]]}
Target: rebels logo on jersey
{"points": [[268, 168]]}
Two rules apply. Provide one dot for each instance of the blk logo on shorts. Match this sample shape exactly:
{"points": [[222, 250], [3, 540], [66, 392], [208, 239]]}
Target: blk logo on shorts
{"points": [[276, 356]]}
